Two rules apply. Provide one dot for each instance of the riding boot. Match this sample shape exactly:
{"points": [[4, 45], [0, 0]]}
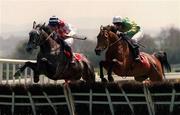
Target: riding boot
{"points": [[68, 48], [135, 49], [136, 52]]}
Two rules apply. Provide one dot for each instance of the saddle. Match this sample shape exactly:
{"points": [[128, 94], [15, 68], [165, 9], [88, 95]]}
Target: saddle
{"points": [[76, 56], [144, 60]]}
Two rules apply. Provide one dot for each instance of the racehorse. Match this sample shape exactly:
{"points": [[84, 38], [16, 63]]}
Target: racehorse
{"points": [[52, 61], [119, 59]]}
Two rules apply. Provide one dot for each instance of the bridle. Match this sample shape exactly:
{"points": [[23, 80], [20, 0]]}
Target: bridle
{"points": [[110, 45], [42, 33]]}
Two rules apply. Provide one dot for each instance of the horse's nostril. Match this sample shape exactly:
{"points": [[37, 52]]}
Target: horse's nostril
{"points": [[28, 49], [97, 51]]}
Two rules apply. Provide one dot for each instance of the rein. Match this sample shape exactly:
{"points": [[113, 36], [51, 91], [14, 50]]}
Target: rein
{"points": [[115, 42], [49, 35], [54, 49]]}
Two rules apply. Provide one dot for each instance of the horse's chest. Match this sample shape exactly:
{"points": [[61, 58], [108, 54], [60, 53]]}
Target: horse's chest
{"points": [[110, 55]]}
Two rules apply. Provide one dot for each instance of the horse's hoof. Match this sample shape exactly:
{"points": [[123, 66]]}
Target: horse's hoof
{"points": [[104, 80], [115, 60], [147, 82], [111, 79], [17, 74], [36, 80]]}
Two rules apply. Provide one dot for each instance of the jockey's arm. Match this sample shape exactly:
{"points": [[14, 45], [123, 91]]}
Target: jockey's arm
{"points": [[133, 30], [131, 26], [68, 31], [70, 34]]}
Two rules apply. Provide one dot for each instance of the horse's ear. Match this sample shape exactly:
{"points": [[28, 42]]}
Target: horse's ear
{"points": [[34, 25], [101, 28], [44, 24]]}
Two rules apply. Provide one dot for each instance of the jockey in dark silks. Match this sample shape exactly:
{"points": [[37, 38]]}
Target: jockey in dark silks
{"points": [[63, 31], [128, 29]]}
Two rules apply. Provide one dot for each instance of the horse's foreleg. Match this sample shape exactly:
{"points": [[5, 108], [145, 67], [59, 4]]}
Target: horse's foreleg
{"points": [[31, 65], [27, 64], [101, 65], [110, 78]]}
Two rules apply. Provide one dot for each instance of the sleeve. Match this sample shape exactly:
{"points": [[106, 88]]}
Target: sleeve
{"points": [[133, 28], [68, 29], [65, 29]]}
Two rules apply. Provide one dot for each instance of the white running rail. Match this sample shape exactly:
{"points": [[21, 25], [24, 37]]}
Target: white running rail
{"points": [[8, 67]]}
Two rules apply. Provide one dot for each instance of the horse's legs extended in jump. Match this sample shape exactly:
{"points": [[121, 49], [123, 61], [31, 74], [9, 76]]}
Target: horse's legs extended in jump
{"points": [[31, 65], [101, 65], [88, 73]]}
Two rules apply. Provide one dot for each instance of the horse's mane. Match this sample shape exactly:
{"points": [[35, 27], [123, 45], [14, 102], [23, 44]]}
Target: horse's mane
{"points": [[114, 30], [110, 28], [46, 28]]}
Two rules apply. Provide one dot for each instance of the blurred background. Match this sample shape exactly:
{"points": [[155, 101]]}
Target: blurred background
{"points": [[159, 19]]}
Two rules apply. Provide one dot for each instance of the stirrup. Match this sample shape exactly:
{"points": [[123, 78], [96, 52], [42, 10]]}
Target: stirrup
{"points": [[137, 59], [72, 61]]}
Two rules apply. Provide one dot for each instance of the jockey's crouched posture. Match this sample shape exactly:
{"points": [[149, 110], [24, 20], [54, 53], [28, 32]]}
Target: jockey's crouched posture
{"points": [[130, 30], [63, 32]]}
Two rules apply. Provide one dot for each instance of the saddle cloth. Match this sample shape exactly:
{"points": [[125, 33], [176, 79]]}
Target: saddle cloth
{"points": [[76, 56], [144, 60], [79, 57]]}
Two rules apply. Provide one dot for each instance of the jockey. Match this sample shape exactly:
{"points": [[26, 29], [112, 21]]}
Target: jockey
{"points": [[64, 32], [129, 29]]}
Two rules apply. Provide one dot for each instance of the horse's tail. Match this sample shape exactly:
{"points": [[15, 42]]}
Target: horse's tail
{"points": [[162, 57], [88, 73]]}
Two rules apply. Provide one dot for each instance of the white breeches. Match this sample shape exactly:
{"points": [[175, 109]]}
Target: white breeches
{"points": [[69, 41], [138, 36]]}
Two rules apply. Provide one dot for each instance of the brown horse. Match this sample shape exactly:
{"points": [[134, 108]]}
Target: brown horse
{"points": [[119, 59], [52, 60]]}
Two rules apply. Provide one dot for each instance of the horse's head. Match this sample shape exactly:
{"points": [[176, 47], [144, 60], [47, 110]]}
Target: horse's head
{"points": [[37, 35], [103, 39]]}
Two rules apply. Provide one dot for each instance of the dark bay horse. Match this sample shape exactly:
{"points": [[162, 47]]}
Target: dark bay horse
{"points": [[119, 59], [52, 61]]}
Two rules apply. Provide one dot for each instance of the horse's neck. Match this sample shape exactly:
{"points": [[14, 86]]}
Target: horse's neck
{"points": [[114, 43], [53, 44], [113, 38], [50, 46], [119, 49]]}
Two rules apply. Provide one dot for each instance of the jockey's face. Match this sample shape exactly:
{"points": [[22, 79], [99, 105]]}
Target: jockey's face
{"points": [[54, 28], [118, 26]]}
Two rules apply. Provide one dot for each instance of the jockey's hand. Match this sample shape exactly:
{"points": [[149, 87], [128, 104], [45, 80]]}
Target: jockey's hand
{"points": [[66, 36], [120, 34]]}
